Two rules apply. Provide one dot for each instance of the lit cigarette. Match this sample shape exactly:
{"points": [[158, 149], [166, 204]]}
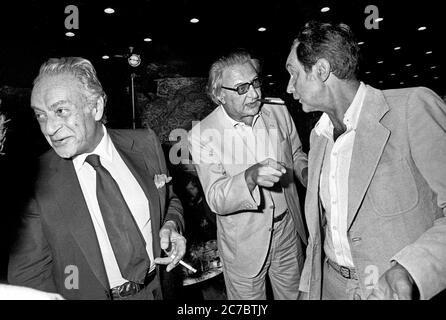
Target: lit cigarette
{"points": [[184, 264]]}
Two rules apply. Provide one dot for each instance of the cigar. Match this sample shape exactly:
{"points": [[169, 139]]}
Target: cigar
{"points": [[271, 102]]}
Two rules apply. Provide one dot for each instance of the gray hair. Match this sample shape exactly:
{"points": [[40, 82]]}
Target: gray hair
{"points": [[82, 69], [216, 71]]}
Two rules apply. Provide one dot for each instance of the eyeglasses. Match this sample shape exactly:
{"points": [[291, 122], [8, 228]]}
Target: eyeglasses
{"points": [[244, 87]]}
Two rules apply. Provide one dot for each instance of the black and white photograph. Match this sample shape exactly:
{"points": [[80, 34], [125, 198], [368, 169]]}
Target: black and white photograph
{"points": [[222, 155]]}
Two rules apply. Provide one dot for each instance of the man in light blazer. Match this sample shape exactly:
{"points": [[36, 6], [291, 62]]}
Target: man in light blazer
{"points": [[247, 153], [376, 196], [64, 244]]}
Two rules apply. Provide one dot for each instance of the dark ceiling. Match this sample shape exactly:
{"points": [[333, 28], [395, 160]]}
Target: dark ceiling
{"points": [[33, 31]]}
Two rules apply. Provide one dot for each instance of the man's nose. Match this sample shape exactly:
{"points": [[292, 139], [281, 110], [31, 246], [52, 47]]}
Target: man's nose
{"points": [[291, 89], [52, 125], [253, 93]]}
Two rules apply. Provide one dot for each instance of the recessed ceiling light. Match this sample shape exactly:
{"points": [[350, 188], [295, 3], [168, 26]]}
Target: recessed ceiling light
{"points": [[435, 78], [379, 19], [109, 10], [415, 76], [402, 82], [105, 57], [367, 72], [194, 20], [271, 83], [433, 67], [421, 28], [408, 65], [325, 9], [269, 75], [393, 74], [428, 52], [379, 62], [69, 34], [361, 42], [261, 29], [380, 81], [147, 39], [397, 48]]}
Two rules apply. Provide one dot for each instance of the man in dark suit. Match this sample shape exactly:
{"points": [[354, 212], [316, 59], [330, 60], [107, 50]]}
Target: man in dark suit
{"points": [[102, 210]]}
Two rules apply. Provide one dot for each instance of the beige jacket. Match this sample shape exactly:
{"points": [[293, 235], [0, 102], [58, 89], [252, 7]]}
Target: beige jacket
{"points": [[397, 192], [243, 226]]}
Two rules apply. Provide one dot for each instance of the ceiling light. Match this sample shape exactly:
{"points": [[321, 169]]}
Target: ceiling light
{"points": [[415, 76], [147, 39], [325, 9], [109, 10], [408, 65], [428, 52], [380, 81], [69, 34], [397, 48], [433, 67], [361, 42], [269, 75], [402, 82], [421, 28], [393, 74], [271, 83], [367, 72], [105, 57], [379, 62], [379, 19], [435, 78], [261, 29], [194, 20]]}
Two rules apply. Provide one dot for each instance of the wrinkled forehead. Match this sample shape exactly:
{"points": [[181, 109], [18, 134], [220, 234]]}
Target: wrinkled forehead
{"points": [[239, 72], [53, 87], [292, 56]]}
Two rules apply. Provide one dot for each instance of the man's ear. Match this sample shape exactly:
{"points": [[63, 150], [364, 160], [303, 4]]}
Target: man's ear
{"points": [[98, 109], [221, 97], [322, 69]]}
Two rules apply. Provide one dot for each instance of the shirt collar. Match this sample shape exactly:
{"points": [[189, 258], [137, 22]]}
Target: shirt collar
{"points": [[103, 149], [325, 127]]}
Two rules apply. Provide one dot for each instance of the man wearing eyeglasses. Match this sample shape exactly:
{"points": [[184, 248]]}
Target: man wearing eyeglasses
{"points": [[247, 152]]}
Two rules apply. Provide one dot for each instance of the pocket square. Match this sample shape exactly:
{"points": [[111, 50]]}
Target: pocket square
{"points": [[160, 180]]}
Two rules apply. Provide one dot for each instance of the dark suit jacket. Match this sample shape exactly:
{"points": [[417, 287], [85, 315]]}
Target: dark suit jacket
{"points": [[57, 234]]}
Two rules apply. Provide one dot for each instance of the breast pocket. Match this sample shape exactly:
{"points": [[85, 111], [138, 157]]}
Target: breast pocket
{"points": [[393, 190]]}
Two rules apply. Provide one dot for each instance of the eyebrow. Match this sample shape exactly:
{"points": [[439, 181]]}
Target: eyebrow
{"points": [[54, 105], [58, 103], [240, 83]]}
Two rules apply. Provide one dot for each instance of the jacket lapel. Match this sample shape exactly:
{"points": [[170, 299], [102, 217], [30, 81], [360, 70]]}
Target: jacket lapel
{"points": [[73, 206], [315, 159], [275, 135], [370, 140]]}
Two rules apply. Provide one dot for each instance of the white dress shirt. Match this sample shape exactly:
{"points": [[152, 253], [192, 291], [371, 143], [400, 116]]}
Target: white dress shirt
{"points": [[132, 193], [256, 145], [334, 180]]}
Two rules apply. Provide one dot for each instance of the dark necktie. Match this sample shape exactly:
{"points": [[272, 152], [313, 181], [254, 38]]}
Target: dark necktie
{"points": [[125, 237]]}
